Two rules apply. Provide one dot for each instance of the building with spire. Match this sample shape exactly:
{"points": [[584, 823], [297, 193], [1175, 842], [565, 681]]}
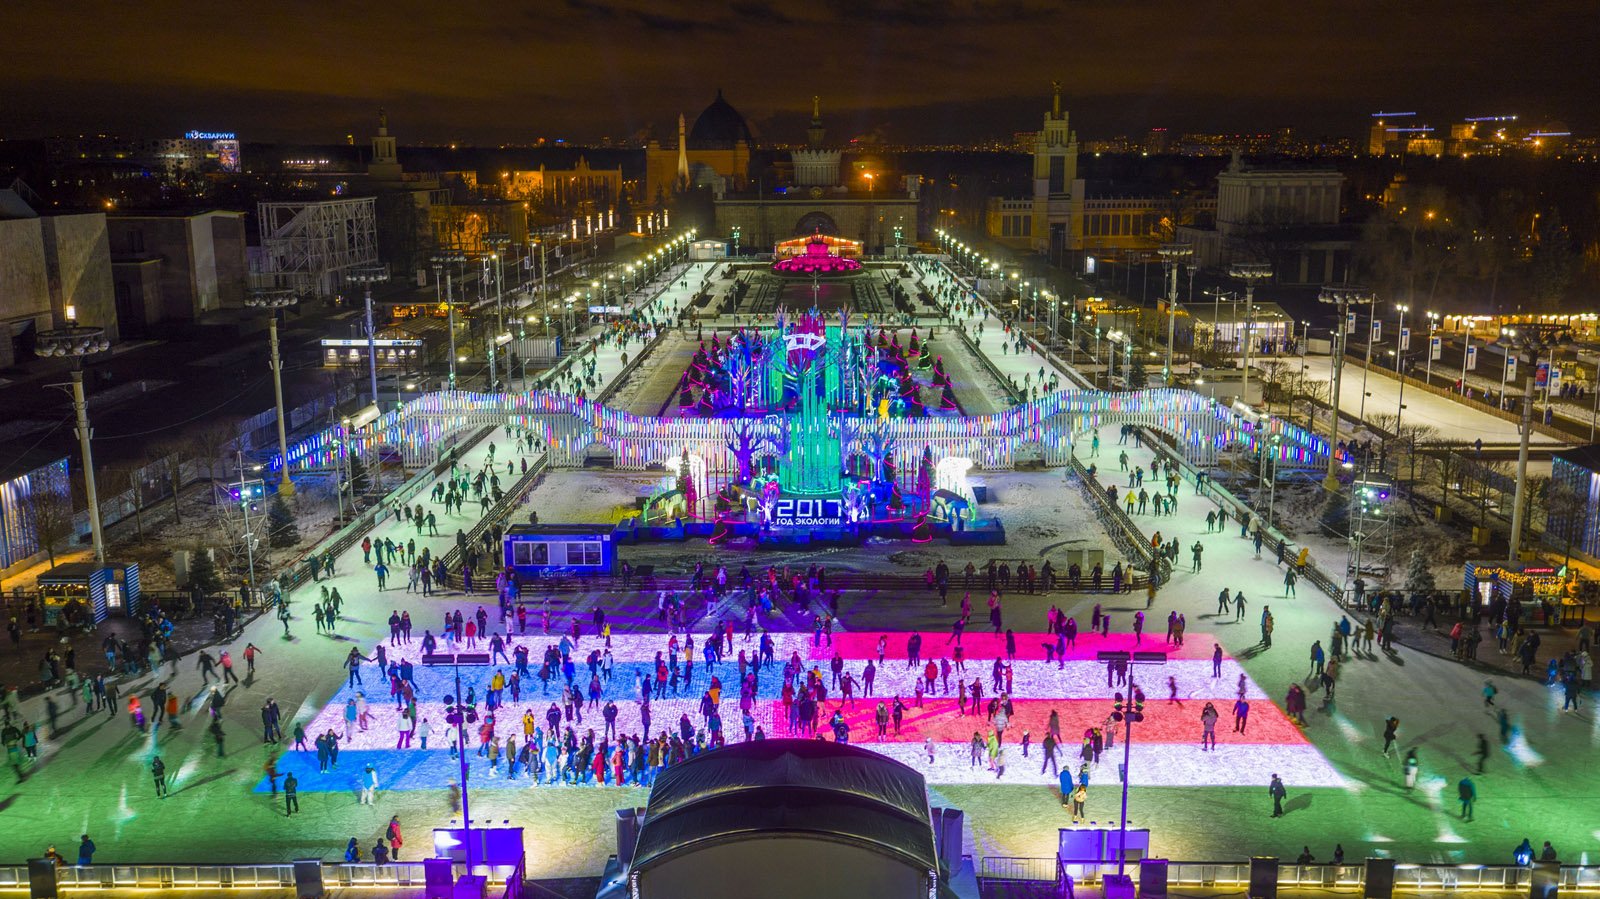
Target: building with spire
{"points": [[816, 166], [1066, 214]]}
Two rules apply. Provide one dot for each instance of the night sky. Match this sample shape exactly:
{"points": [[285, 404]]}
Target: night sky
{"points": [[904, 70]]}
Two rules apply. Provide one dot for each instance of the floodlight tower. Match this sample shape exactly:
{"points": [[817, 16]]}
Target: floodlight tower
{"points": [[1535, 340], [366, 276], [1251, 273], [275, 301], [1342, 298], [1173, 256], [76, 342]]}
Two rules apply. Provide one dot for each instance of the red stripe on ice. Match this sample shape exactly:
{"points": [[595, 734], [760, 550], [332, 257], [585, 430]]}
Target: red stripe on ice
{"points": [[989, 645], [1164, 722]]}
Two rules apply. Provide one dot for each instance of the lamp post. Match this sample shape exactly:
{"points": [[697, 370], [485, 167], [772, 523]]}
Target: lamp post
{"points": [[1341, 298], [1216, 312], [75, 342], [1269, 462], [1251, 273], [500, 240], [439, 261], [1172, 257], [1128, 712], [1401, 344], [366, 276], [1433, 324], [1535, 339], [1372, 334], [273, 301]]}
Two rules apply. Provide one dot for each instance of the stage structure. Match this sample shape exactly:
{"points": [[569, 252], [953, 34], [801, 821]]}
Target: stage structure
{"points": [[306, 245]]}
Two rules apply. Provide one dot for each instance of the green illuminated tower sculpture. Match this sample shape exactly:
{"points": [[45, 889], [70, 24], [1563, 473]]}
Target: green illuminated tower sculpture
{"points": [[808, 366]]}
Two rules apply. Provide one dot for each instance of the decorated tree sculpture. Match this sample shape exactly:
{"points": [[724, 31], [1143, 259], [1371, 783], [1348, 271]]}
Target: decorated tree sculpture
{"points": [[879, 447], [947, 399], [686, 485], [747, 441], [925, 475]]}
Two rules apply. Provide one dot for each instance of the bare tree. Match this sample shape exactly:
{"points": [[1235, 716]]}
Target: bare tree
{"points": [[119, 479], [207, 443], [168, 464], [1566, 514], [50, 514]]}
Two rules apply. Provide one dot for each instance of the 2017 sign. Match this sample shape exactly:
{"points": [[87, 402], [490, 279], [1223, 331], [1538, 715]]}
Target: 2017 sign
{"points": [[791, 512]]}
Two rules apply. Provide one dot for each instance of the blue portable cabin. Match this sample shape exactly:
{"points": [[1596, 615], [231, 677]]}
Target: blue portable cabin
{"points": [[104, 589], [545, 550]]}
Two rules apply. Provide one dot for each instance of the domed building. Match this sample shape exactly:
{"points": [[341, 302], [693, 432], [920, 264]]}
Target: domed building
{"points": [[719, 127], [715, 152]]}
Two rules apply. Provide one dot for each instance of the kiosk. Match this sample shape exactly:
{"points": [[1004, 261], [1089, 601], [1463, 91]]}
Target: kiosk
{"points": [[547, 550], [74, 593]]}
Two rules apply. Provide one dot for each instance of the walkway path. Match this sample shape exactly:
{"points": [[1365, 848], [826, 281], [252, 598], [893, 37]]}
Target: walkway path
{"points": [[1452, 420]]}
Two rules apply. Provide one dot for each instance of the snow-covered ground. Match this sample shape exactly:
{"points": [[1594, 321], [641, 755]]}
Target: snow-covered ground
{"points": [[1452, 420]]}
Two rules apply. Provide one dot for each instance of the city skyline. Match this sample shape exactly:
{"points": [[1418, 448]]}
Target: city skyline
{"points": [[582, 71]]}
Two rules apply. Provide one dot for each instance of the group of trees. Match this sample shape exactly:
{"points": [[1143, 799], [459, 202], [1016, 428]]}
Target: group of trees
{"points": [[1446, 250], [150, 478]]}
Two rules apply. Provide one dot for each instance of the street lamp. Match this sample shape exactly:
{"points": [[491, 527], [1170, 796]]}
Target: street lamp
{"points": [[75, 342], [1433, 324], [1172, 257], [273, 301], [1340, 297], [366, 276], [1269, 460], [439, 261], [1128, 712], [1534, 339], [1402, 342], [1250, 273]]}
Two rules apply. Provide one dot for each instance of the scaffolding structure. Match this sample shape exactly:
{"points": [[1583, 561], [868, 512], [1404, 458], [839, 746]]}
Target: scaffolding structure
{"points": [[1371, 537], [305, 245]]}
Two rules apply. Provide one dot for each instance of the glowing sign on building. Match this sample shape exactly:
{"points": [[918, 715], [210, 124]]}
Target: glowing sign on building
{"points": [[224, 147]]}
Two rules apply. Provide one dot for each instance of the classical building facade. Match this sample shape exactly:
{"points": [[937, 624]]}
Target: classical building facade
{"points": [[1289, 217], [1067, 214], [877, 209]]}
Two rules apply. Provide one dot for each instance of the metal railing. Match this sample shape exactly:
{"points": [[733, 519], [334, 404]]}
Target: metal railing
{"points": [[1018, 869], [357, 875], [1127, 538], [296, 574], [1408, 878]]}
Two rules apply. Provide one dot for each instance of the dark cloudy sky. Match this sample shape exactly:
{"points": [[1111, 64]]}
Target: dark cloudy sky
{"points": [[312, 70]]}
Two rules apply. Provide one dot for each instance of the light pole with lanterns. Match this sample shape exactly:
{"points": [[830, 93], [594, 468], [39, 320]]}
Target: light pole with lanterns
{"points": [[1535, 339], [1128, 712], [439, 262], [366, 276], [76, 342], [1251, 273], [1172, 257], [1433, 326], [1340, 297], [274, 301], [1402, 342]]}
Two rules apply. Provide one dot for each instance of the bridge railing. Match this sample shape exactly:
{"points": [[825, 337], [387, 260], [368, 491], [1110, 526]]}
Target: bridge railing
{"points": [[1121, 529]]}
